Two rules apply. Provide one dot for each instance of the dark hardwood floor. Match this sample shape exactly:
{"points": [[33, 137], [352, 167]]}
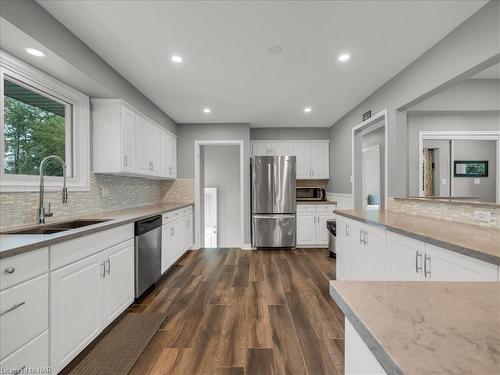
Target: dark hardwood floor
{"points": [[232, 311]]}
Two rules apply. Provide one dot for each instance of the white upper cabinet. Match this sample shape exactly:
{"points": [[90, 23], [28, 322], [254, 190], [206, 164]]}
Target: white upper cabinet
{"points": [[168, 155], [128, 143], [313, 157]]}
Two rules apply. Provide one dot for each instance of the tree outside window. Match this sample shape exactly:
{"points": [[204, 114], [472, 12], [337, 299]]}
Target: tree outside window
{"points": [[34, 127]]}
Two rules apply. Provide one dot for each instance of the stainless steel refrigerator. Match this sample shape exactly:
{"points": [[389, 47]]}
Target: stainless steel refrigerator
{"points": [[274, 205]]}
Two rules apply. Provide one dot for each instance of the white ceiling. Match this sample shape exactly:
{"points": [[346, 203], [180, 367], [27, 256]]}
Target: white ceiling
{"points": [[493, 72], [228, 68]]}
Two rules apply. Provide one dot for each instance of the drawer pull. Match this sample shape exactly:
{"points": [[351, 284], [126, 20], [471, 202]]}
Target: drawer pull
{"points": [[17, 305], [10, 269]]}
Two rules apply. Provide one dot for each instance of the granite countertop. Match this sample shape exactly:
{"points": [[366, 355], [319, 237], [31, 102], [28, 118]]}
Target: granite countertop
{"points": [[472, 240], [13, 244], [426, 328], [316, 202]]}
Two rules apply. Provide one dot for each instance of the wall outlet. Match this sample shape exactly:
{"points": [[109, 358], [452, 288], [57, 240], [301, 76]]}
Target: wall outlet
{"points": [[477, 181], [443, 181], [104, 190], [483, 216]]}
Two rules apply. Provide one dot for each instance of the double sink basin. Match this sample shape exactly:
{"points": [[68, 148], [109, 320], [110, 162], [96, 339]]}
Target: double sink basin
{"points": [[58, 227]]}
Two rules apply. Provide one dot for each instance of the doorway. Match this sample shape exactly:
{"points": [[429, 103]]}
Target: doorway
{"points": [[370, 162], [219, 164]]}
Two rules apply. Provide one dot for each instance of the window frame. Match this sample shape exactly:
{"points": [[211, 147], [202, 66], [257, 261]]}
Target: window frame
{"points": [[77, 128]]}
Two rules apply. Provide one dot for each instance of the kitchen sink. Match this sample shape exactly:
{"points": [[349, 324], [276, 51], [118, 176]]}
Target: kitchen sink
{"points": [[57, 227]]}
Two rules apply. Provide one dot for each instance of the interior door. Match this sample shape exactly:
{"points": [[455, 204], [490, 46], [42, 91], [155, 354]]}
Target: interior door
{"points": [[128, 138], [75, 308], [371, 173], [320, 159], [302, 151], [210, 217], [118, 291]]}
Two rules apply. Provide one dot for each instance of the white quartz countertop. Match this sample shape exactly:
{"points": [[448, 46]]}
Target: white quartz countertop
{"points": [[13, 244]]}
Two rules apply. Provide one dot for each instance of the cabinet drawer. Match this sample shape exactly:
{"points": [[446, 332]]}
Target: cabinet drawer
{"points": [[24, 313], [22, 267], [306, 208], [79, 248], [325, 208], [171, 215], [32, 356]]}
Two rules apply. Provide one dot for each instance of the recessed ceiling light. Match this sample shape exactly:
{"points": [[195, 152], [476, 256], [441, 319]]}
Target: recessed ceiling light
{"points": [[207, 110], [176, 59], [35, 52], [344, 57], [307, 109]]}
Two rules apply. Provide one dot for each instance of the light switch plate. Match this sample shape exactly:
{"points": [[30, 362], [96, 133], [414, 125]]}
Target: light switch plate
{"points": [[443, 181], [104, 190], [477, 181]]}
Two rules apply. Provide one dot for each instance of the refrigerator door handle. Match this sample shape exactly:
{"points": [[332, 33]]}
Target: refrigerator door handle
{"points": [[278, 216]]}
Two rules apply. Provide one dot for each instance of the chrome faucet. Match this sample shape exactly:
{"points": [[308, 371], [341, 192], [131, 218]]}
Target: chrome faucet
{"points": [[41, 208]]}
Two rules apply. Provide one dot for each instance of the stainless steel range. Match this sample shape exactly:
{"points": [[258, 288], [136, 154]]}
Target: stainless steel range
{"points": [[273, 201]]}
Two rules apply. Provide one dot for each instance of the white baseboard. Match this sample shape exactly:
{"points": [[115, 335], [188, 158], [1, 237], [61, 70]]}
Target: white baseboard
{"points": [[344, 201], [247, 246]]}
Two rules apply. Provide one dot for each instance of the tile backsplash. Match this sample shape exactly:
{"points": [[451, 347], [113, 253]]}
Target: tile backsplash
{"points": [[463, 213], [106, 193]]}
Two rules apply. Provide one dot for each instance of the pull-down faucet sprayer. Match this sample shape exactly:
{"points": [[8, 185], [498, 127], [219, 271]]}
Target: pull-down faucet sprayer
{"points": [[41, 208]]}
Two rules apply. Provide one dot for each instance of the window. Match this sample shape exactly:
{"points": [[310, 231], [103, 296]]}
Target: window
{"points": [[35, 126], [40, 117]]}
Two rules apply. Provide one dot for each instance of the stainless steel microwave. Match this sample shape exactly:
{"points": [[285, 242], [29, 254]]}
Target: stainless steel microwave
{"points": [[310, 194]]}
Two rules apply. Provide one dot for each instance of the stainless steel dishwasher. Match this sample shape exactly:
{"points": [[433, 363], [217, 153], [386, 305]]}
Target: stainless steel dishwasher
{"points": [[147, 253]]}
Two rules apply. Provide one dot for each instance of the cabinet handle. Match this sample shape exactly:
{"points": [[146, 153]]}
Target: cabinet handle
{"points": [[103, 267], [418, 265], [109, 266], [360, 236], [427, 270], [365, 238], [347, 230], [10, 269], [17, 305]]}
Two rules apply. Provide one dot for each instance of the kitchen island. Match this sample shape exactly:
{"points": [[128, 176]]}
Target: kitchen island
{"points": [[420, 327]]}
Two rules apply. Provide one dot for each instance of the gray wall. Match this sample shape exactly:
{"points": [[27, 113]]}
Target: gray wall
{"points": [[459, 53], [289, 134], [476, 150], [40, 25], [189, 133], [417, 122], [468, 95], [222, 171]]}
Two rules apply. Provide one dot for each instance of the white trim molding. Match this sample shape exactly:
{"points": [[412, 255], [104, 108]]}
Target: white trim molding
{"points": [[475, 135], [79, 137], [198, 190]]}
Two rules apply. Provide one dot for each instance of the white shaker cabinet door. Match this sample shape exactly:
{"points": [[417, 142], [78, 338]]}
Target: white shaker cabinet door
{"points": [[445, 265], [306, 228], [279, 148], [320, 165], [321, 231], [118, 291], [142, 145], [405, 257], [154, 149], [343, 250], [128, 138], [260, 148], [302, 152], [76, 308]]}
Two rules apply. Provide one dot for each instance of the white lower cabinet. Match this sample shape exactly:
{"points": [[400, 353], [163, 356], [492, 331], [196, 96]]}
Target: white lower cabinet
{"points": [[176, 236], [359, 359], [367, 252], [86, 296], [311, 224], [34, 356]]}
